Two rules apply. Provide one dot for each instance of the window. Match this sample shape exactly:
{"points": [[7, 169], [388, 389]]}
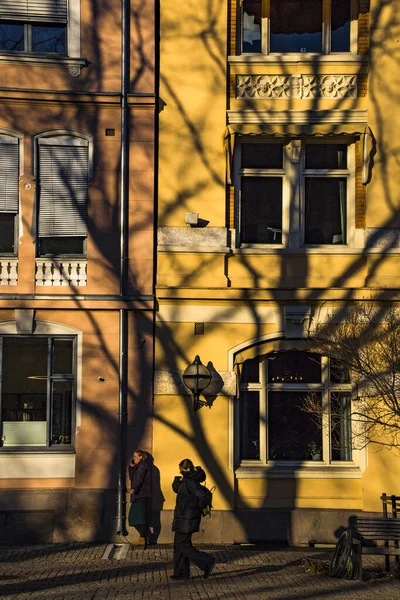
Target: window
{"points": [[273, 420], [9, 193], [34, 27], [306, 26], [63, 170], [286, 202], [37, 391]]}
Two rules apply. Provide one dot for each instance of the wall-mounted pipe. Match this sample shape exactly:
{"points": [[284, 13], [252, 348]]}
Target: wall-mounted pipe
{"points": [[123, 345]]}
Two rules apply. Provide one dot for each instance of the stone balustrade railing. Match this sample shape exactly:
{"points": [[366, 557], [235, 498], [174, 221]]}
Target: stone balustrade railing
{"points": [[8, 272], [61, 272]]}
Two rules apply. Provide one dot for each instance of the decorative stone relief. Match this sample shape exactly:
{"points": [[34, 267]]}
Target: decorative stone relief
{"points": [[263, 86], [74, 71], [8, 272], [296, 86], [70, 272], [329, 86]]}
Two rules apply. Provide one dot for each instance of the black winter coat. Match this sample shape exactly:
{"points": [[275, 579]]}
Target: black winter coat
{"points": [[140, 480], [187, 514]]}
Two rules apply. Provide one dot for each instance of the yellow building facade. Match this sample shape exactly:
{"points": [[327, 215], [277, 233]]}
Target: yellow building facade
{"points": [[277, 204]]}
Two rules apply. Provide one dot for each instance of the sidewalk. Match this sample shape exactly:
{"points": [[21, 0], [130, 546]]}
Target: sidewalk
{"points": [[79, 572]]}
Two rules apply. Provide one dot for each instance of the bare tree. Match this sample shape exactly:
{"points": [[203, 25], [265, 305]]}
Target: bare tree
{"points": [[363, 339]]}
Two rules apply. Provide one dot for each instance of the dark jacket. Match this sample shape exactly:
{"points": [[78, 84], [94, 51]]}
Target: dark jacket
{"points": [[140, 480], [187, 514]]}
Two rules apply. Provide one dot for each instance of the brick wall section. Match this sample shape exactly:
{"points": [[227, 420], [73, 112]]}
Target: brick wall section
{"points": [[362, 84], [232, 86], [363, 27], [233, 23], [361, 192]]}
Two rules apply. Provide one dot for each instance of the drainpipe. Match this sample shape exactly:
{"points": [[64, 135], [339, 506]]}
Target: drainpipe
{"points": [[122, 408]]}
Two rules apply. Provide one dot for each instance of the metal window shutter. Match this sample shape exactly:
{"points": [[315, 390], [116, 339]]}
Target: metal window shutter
{"points": [[9, 176], [63, 180], [49, 11]]}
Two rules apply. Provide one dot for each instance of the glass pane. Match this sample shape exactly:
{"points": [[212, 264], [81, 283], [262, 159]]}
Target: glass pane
{"points": [[338, 373], [7, 235], [62, 245], [251, 371], [48, 38], [251, 29], [340, 36], [262, 156], [341, 426], [249, 425], [24, 391], [62, 411], [325, 211], [296, 26], [294, 367], [62, 356], [326, 156], [292, 432], [12, 36], [261, 214]]}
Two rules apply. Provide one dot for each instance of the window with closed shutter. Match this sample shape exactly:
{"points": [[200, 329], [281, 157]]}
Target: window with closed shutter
{"points": [[63, 190], [9, 175], [49, 11], [9, 192], [38, 26]]}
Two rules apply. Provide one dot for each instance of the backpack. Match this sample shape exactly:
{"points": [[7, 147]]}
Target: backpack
{"points": [[205, 499]]}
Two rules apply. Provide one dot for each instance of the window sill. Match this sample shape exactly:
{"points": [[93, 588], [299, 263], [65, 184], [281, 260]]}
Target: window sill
{"points": [[56, 449], [74, 64], [326, 250], [300, 470], [295, 58]]}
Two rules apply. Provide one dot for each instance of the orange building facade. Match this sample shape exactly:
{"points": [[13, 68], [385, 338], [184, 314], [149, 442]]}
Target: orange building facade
{"points": [[76, 262]]}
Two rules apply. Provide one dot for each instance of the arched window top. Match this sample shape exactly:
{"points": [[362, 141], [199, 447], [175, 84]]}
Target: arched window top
{"points": [[10, 136], [64, 137]]}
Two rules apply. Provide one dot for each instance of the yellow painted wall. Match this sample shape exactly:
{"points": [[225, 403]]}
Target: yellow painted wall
{"points": [[192, 179]]}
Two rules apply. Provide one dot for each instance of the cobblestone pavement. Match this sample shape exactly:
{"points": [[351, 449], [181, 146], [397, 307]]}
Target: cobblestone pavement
{"points": [[79, 572]]}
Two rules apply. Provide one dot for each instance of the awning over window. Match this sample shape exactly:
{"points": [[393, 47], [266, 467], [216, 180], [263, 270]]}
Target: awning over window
{"points": [[9, 175], [292, 131], [48, 11]]}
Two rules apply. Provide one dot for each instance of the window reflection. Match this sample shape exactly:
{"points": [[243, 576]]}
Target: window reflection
{"points": [[48, 38], [251, 26], [296, 26], [12, 36]]}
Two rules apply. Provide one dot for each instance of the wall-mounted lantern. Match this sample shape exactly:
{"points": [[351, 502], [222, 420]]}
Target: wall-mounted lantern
{"points": [[197, 377]]}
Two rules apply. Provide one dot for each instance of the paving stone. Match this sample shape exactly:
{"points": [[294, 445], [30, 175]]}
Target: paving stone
{"points": [[78, 572]]}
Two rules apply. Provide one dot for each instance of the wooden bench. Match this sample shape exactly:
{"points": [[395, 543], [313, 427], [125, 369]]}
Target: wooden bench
{"points": [[391, 502], [391, 508], [347, 558], [371, 530]]}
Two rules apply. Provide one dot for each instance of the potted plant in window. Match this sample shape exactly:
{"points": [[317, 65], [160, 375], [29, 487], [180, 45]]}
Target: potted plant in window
{"points": [[315, 451]]}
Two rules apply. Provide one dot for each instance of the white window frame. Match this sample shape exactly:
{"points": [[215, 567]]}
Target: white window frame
{"points": [[48, 446], [326, 31], [284, 173], [68, 138], [72, 58], [293, 193], [309, 469]]}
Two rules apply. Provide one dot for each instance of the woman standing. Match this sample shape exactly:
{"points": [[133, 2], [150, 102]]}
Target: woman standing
{"points": [[187, 516], [139, 475]]}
